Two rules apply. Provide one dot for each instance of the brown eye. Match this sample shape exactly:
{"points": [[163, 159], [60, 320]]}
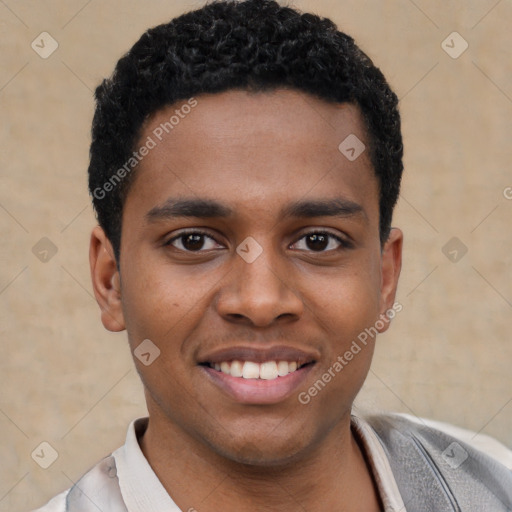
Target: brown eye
{"points": [[320, 241], [193, 241], [317, 241]]}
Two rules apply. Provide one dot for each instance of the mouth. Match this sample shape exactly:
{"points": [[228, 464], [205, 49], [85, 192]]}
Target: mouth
{"points": [[268, 370], [252, 376]]}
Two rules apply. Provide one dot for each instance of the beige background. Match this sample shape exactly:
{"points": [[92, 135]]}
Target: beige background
{"points": [[66, 381]]}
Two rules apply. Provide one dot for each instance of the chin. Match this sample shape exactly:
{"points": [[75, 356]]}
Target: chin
{"points": [[250, 455], [264, 452]]}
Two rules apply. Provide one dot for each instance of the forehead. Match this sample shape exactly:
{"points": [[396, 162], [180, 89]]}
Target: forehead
{"points": [[253, 148]]}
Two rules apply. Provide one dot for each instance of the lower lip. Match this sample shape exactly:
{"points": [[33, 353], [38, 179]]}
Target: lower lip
{"points": [[258, 391]]}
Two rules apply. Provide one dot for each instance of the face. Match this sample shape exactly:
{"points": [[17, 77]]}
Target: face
{"points": [[251, 260]]}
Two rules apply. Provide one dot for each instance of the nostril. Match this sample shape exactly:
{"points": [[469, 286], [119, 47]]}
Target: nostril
{"points": [[236, 316]]}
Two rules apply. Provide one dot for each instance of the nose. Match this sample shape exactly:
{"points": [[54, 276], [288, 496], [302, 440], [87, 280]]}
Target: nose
{"points": [[259, 293]]}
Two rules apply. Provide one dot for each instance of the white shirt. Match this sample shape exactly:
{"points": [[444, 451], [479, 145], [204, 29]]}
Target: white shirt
{"points": [[142, 491]]}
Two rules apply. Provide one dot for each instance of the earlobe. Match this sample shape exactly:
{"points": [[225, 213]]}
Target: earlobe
{"points": [[391, 264], [106, 280]]}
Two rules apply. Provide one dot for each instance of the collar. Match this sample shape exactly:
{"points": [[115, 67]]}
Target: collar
{"points": [[140, 487], [142, 490], [379, 465]]}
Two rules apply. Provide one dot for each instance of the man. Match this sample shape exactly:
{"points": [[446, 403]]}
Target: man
{"points": [[245, 163]]}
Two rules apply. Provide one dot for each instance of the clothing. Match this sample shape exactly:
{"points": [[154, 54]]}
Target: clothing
{"points": [[436, 472], [416, 468]]}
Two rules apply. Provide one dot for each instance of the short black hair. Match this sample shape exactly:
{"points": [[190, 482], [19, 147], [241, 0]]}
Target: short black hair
{"points": [[254, 45]]}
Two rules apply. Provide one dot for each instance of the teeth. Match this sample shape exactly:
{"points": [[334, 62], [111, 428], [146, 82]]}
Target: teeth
{"points": [[268, 370], [283, 368], [251, 370], [236, 369]]}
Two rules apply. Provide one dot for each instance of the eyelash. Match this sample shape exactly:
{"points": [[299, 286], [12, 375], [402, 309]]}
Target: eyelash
{"points": [[344, 244], [189, 232]]}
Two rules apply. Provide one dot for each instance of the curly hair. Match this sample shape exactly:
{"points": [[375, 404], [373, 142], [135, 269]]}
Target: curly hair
{"points": [[254, 45]]}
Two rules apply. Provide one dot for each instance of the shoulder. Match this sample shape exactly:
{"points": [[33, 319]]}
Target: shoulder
{"points": [[432, 464], [98, 489], [482, 442], [56, 504]]}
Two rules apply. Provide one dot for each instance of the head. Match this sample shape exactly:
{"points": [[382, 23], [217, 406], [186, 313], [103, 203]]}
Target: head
{"points": [[255, 45], [233, 226]]}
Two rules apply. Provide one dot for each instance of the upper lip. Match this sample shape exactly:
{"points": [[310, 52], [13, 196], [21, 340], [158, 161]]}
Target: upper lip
{"points": [[259, 355]]}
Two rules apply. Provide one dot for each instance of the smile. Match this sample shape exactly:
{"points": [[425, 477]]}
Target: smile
{"points": [[268, 370], [248, 382]]}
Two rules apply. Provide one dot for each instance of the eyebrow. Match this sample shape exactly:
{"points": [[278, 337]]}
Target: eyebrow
{"points": [[209, 208], [201, 208], [338, 207]]}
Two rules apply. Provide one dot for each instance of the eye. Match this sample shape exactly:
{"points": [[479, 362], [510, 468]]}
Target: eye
{"points": [[193, 241], [320, 241]]}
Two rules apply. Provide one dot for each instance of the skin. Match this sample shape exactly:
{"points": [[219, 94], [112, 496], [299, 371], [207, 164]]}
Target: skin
{"points": [[254, 153]]}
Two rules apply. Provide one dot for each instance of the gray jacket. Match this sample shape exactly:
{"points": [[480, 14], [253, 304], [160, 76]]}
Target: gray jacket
{"points": [[437, 473], [434, 473]]}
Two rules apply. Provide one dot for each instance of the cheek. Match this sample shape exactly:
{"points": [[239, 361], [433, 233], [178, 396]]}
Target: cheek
{"points": [[161, 301], [347, 302], [347, 309], [163, 306]]}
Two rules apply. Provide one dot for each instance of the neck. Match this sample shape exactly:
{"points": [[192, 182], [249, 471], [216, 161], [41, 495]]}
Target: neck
{"points": [[332, 475]]}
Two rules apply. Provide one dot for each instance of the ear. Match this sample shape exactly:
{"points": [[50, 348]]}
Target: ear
{"points": [[391, 264], [106, 280]]}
